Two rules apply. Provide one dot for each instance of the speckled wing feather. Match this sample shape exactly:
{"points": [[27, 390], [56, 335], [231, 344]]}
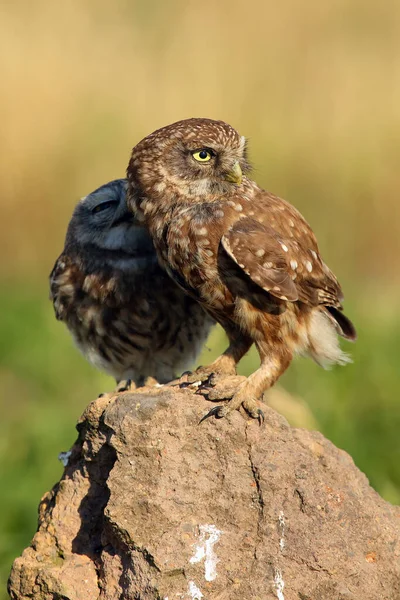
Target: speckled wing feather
{"points": [[256, 249], [58, 278], [288, 269], [315, 282]]}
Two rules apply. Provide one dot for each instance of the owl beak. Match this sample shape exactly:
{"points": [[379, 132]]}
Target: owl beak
{"points": [[235, 175]]}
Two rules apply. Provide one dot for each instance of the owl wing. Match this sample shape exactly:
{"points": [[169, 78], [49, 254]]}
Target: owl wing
{"points": [[257, 250], [58, 279], [286, 268]]}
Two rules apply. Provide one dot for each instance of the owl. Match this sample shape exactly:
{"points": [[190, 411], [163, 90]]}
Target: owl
{"points": [[248, 257], [125, 314]]}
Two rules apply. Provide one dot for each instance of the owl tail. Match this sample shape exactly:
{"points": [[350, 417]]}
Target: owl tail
{"points": [[323, 343], [344, 326]]}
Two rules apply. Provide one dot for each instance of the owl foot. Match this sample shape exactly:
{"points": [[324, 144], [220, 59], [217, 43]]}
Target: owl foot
{"points": [[218, 387], [250, 405], [221, 366], [125, 385]]}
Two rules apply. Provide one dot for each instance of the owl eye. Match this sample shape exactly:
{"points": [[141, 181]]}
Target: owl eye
{"points": [[203, 155], [103, 206]]}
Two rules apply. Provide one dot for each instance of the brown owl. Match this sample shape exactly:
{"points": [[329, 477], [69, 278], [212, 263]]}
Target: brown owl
{"points": [[248, 257], [125, 314]]}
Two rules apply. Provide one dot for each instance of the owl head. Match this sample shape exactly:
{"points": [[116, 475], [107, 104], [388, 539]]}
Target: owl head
{"points": [[103, 227], [194, 158]]}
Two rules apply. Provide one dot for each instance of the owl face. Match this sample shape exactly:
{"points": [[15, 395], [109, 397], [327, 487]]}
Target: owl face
{"points": [[196, 157], [102, 220]]}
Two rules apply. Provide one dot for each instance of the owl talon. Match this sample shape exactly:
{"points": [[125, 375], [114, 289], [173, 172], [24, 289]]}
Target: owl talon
{"points": [[260, 417], [203, 390], [214, 412]]}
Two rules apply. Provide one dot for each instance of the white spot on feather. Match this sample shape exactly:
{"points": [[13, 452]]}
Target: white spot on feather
{"points": [[202, 231], [293, 264], [308, 265], [260, 252], [160, 186], [209, 535], [285, 248]]}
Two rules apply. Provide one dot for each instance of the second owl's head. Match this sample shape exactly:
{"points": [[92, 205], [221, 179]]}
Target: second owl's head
{"points": [[102, 221], [194, 159]]}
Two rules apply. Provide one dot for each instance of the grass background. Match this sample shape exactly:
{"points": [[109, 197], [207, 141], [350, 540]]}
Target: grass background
{"points": [[316, 88]]}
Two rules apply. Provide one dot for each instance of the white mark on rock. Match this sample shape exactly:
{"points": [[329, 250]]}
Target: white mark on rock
{"points": [[194, 591], [64, 457], [279, 584], [282, 528], [209, 535]]}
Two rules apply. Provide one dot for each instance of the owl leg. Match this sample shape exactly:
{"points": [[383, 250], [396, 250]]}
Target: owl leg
{"points": [[274, 361], [239, 344], [125, 385]]}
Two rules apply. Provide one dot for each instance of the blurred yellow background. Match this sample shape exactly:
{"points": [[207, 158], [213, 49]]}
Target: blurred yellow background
{"points": [[315, 87]]}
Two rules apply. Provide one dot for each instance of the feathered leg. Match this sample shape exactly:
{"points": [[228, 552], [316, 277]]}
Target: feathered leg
{"points": [[225, 364]]}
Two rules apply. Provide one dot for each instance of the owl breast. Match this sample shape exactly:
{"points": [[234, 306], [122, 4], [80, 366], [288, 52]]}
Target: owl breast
{"points": [[131, 326]]}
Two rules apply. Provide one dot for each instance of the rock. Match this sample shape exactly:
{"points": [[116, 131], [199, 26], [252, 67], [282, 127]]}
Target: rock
{"points": [[154, 506]]}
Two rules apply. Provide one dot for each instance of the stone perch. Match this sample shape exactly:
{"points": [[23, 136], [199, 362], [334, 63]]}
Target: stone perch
{"points": [[153, 506]]}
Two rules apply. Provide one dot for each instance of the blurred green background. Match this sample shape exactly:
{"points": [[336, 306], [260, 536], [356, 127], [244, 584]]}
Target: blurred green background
{"points": [[316, 88]]}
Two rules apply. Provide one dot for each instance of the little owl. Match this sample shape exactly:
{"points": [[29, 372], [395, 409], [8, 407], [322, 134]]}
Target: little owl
{"points": [[125, 314], [248, 257]]}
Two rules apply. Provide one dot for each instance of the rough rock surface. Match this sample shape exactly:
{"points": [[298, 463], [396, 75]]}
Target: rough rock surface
{"points": [[154, 506]]}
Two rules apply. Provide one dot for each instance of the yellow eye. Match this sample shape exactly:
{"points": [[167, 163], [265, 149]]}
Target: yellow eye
{"points": [[202, 155]]}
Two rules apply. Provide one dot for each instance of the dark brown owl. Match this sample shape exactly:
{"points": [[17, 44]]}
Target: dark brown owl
{"points": [[247, 256], [125, 314]]}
